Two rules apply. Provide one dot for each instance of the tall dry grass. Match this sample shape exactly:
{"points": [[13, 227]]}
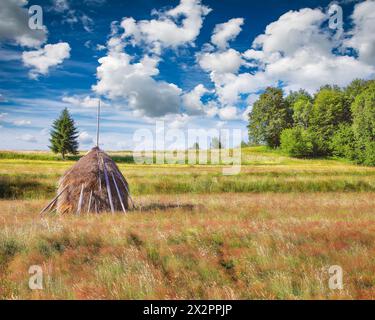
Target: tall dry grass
{"points": [[270, 232], [208, 246]]}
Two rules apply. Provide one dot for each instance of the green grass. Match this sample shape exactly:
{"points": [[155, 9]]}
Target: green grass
{"points": [[263, 170], [46, 156], [40, 186], [42, 156], [250, 155]]}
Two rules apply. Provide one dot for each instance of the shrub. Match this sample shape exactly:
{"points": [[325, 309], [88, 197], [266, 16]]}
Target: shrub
{"points": [[8, 249], [343, 142], [297, 142], [369, 154]]}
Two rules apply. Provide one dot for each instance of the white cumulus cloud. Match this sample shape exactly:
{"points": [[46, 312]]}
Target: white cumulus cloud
{"points": [[228, 61], [225, 32], [297, 50], [85, 138], [228, 113], [178, 121], [363, 33], [171, 28], [192, 100], [85, 102], [121, 78], [41, 60]]}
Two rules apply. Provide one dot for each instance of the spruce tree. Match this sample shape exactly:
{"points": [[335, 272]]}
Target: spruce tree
{"points": [[64, 135]]}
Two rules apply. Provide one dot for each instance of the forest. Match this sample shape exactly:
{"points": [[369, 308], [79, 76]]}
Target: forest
{"points": [[333, 122]]}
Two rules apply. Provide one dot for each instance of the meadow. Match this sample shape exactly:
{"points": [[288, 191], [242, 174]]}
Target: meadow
{"points": [[270, 232]]}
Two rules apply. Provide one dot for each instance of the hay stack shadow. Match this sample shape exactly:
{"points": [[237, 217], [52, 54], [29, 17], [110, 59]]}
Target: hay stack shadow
{"points": [[93, 185]]}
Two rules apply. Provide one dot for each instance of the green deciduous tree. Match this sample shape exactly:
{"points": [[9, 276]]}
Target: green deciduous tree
{"points": [[363, 111], [330, 108], [343, 142], [64, 135], [269, 117], [297, 142], [355, 88], [302, 108]]}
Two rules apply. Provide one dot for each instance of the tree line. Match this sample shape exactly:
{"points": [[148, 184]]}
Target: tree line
{"points": [[334, 121]]}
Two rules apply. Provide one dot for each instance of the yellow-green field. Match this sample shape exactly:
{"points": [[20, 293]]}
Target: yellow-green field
{"points": [[270, 232]]}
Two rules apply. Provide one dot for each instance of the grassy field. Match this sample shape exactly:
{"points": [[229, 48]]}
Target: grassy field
{"points": [[270, 232]]}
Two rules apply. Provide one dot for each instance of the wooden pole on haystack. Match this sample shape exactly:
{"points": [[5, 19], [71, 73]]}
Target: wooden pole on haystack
{"points": [[53, 201], [118, 193], [97, 125]]}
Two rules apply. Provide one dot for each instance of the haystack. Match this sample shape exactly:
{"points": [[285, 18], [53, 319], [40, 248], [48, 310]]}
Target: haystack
{"points": [[94, 184]]}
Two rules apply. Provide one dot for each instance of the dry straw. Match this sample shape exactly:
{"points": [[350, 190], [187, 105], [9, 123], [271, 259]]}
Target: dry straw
{"points": [[94, 184]]}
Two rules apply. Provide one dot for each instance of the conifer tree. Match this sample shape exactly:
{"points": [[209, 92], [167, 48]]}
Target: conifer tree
{"points": [[64, 135]]}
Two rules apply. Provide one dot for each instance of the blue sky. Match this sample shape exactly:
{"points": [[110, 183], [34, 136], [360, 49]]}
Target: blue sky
{"points": [[191, 63]]}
